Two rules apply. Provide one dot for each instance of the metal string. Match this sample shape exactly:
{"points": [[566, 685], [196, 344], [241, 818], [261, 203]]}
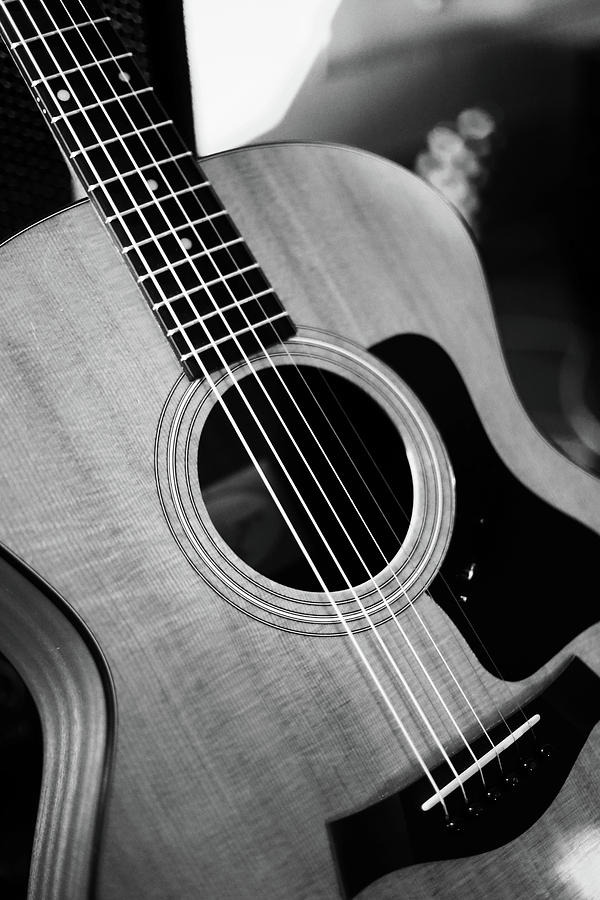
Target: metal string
{"points": [[439, 652], [194, 353], [383, 556], [437, 692], [368, 573], [464, 613]]}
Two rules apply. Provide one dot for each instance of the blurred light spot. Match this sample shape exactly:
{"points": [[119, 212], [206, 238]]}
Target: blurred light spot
{"points": [[456, 161]]}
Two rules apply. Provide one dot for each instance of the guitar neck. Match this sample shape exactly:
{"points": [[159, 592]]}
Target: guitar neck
{"points": [[203, 284]]}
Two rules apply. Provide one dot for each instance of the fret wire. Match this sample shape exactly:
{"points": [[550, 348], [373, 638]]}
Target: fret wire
{"points": [[202, 253], [190, 258], [47, 34], [216, 312], [118, 214], [184, 294], [167, 300], [90, 86], [188, 292], [232, 307], [233, 334], [153, 200], [81, 109], [203, 287], [58, 31], [192, 187], [123, 137], [184, 227], [222, 309], [118, 177], [89, 65], [42, 18], [169, 266], [152, 165]]}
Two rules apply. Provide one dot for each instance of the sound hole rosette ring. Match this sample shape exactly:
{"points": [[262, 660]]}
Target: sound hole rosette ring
{"points": [[394, 586]]}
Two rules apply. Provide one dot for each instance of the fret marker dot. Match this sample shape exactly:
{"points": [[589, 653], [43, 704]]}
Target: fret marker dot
{"points": [[186, 243], [152, 184], [63, 95], [124, 76]]}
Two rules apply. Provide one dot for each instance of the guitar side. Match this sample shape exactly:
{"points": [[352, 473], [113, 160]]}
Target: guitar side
{"points": [[225, 772]]}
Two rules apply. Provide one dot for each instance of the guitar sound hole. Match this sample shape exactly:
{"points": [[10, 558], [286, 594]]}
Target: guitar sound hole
{"points": [[353, 477]]}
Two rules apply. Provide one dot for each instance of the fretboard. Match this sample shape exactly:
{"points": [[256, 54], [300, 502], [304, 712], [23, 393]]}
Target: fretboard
{"points": [[203, 284]]}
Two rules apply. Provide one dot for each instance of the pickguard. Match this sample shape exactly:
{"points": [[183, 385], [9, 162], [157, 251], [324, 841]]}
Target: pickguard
{"points": [[513, 561], [394, 832]]}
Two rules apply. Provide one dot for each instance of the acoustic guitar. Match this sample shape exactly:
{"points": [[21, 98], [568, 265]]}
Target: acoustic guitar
{"points": [[307, 605]]}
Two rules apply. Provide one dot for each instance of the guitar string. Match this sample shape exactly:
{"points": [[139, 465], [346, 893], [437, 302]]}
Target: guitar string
{"points": [[388, 523], [386, 519], [384, 516], [286, 348], [382, 644], [383, 556], [441, 576], [244, 443], [517, 705], [409, 600]]}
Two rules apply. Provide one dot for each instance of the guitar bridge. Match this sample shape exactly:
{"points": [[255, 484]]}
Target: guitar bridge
{"points": [[478, 765], [393, 833]]}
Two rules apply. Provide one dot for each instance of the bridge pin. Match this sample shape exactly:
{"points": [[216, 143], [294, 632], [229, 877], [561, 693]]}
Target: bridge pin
{"points": [[529, 765], [474, 811]]}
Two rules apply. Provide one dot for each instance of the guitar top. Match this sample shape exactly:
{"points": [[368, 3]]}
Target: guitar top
{"points": [[301, 594]]}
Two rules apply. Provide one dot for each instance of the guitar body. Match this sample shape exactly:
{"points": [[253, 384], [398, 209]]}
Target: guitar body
{"points": [[235, 742]]}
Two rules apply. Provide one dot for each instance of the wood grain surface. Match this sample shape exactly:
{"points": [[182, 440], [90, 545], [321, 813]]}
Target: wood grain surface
{"points": [[237, 742]]}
